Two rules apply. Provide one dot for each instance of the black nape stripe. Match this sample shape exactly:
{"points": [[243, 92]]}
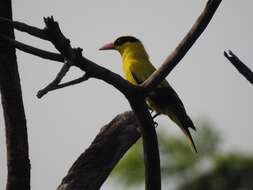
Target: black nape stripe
{"points": [[123, 39]]}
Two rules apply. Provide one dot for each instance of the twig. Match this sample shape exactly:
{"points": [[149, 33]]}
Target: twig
{"points": [[62, 44], [44, 91], [53, 85], [46, 55], [33, 50], [34, 31], [184, 46], [239, 65], [85, 77]]}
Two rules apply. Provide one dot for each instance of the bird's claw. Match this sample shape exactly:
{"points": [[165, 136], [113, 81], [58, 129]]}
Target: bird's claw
{"points": [[155, 124]]}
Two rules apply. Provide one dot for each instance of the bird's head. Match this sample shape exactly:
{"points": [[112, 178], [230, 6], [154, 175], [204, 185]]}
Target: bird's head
{"points": [[124, 44]]}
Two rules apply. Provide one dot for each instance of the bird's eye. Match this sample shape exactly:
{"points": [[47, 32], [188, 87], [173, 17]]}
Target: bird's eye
{"points": [[118, 42]]}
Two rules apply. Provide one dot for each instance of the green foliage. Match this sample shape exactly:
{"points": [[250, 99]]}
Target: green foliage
{"points": [[229, 172], [208, 140], [237, 161], [176, 154], [130, 169], [189, 170], [177, 158]]}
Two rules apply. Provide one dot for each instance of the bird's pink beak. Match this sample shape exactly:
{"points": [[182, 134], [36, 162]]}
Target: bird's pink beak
{"points": [[107, 46]]}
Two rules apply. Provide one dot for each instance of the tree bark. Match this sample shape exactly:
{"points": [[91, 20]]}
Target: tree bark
{"points": [[15, 123], [93, 166]]}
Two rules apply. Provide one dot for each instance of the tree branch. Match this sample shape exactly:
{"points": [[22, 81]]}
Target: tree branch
{"points": [[62, 44], [239, 65], [54, 84], [136, 100], [18, 163], [33, 50], [93, 167], [184, 46], [34, 31], [150, 144], [49, 88]]}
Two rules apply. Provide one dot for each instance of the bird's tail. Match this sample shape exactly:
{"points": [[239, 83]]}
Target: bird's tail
{"points": [[189, 137], [184, 122]]}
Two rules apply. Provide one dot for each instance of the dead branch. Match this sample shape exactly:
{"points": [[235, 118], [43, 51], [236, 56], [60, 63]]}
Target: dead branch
{"points": [[136, 99], [52, 87], [239, 65], [34, 31], [18, 163], [93, 166], [173, 59], [54, 84], [32, 50]]}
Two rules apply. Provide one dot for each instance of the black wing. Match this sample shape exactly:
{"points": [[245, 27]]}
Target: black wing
{"points": [[167, 98]]}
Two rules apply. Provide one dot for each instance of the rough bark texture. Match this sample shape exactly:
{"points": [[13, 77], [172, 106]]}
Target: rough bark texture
{"points": [[92, 168], [15, 122]]}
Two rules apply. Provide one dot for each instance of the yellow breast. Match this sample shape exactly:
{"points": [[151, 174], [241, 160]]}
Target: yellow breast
{"points": [[137, 68]]}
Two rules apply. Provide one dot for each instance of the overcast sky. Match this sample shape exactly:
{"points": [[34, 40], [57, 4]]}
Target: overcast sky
{"points": [[63, 123]]}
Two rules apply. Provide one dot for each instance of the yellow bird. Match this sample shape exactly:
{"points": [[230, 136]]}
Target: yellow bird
{"points": [[137, 68]]}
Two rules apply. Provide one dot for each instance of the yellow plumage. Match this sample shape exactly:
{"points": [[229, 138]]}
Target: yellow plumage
{"points": [[137, 68]]}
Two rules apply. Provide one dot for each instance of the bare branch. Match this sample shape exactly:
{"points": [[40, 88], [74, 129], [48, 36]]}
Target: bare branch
{"points": [[239, 65], [34, 31], [44, 91], [17, 147], [33, 50], [180, 51], [151, 153], [93, 167], [150, 144], [62, 44], [136, 100], [85, 77], [54, 84]]}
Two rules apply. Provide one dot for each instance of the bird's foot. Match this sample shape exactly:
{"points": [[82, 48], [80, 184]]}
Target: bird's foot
{"points": [[155, 124]]}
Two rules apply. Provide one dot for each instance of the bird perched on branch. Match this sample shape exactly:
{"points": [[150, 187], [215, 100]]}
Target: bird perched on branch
{"points": [[137, 68]]}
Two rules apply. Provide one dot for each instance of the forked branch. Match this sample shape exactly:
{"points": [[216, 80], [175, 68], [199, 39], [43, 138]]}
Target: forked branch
{"points": [[136, 99], [55, 84]]}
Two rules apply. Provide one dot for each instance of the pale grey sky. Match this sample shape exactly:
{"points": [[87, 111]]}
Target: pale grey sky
{"points": [[62, 124]]}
